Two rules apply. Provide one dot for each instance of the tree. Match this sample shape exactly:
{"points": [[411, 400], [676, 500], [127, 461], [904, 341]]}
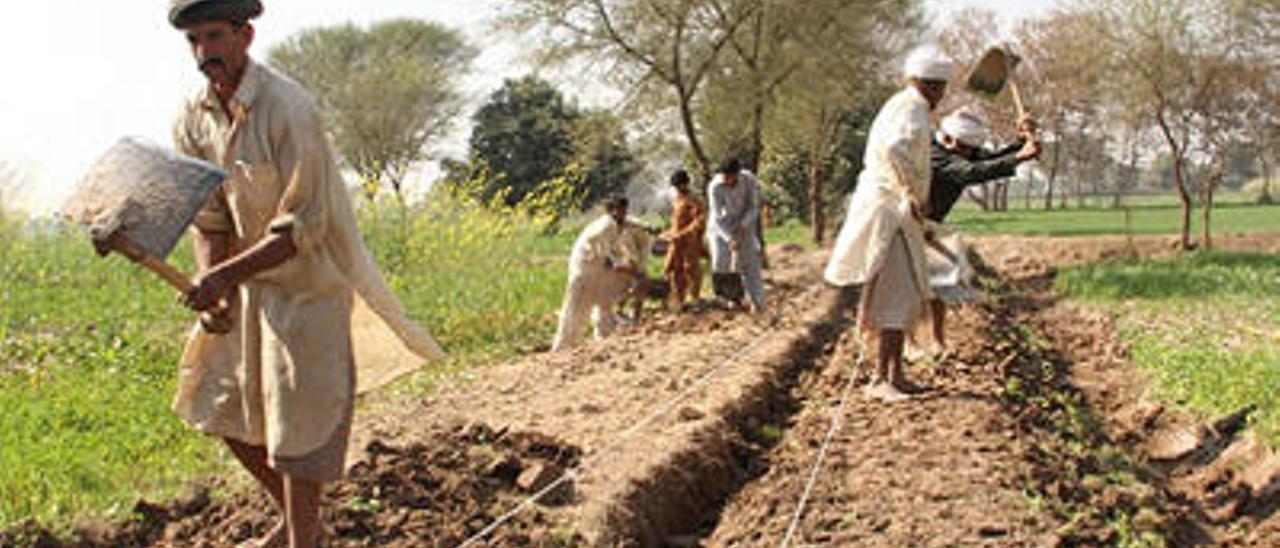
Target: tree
{"points": [[1261, 117], [602, 147], [1176, 61], [388, 90], [666, 46], [772, 49], [837, 71], [525, 135], [1061, 74]]}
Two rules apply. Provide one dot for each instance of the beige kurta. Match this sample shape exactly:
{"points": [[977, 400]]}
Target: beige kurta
{"points": [[896, 172], [285, 377]]}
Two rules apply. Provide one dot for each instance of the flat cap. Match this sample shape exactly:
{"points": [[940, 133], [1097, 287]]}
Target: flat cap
{"points": [[187, 12]]}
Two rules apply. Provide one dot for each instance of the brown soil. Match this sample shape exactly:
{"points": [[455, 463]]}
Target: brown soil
{"points": [[701, 428], [939, 470], [434, 493], [1222, 483]]}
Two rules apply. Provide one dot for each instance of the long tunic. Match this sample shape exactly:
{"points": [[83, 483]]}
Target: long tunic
{"points": [[896, 172], [688, 223], [593, 287], [734, 212], [283, 378]]}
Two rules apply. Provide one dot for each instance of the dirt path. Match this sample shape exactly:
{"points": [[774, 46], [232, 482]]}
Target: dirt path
{"points": [[701, 429], [941, 470]]}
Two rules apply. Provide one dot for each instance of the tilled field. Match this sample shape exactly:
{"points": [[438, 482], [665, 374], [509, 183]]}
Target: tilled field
{"points": [[701, 429]]}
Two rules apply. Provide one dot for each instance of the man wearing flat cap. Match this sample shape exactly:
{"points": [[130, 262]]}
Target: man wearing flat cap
{"points": [[959, 160], [278, 240], [882, 242]]}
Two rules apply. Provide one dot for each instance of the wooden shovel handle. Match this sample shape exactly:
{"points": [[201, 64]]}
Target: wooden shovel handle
{"points": [[1017, 99], [217, 320]]}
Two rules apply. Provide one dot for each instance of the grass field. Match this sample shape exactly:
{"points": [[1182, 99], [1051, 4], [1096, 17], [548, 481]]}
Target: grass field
{"points": [[87, 364], [1147, 215], [1206, 327]]}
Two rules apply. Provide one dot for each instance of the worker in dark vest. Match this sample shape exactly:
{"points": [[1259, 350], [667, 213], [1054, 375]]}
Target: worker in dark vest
{"points": [[959, 160]]}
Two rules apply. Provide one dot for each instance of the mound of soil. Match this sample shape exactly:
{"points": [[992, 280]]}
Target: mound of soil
{"points": [[434, 493]]}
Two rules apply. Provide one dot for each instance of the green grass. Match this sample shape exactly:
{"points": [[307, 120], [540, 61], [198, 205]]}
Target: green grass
{"points": [[1148, 215], [1206, 327], [89, 347], [792, 232], [88, 353]]}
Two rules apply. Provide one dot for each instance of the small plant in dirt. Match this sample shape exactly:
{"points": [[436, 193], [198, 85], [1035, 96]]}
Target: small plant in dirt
{"points": [[1073, 473]]}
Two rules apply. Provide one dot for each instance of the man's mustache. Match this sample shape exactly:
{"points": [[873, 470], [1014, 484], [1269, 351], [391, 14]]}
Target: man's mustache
{"points": [[211, 61]]}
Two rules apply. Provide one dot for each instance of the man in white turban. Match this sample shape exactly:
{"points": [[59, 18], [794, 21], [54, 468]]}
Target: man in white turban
{"points": [[881, 244], [959, 159]]}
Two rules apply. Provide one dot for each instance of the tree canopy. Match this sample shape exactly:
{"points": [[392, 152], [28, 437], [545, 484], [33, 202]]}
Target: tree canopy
{"points": [[388, 91]]}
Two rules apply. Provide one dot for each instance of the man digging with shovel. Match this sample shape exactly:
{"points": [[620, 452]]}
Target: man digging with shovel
{"points": [[958, 161], [737, 253], [279, 240]]}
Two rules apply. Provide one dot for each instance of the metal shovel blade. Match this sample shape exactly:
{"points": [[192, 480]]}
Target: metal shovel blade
{"points": [[992, 71], [148, 194]]}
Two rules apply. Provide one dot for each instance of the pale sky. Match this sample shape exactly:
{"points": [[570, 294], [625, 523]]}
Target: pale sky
{"points": [[82, 73]]}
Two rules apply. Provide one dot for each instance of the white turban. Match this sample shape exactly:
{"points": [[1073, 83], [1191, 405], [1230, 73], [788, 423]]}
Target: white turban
{"points": [[965, 126], [927, 63]]}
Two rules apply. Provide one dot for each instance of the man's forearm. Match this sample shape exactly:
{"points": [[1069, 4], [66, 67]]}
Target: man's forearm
{"points": [[270, 252]]}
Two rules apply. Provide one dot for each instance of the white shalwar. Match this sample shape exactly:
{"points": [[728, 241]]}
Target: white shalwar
{"points": [[594, 287], [879, 220], [734, 211]]}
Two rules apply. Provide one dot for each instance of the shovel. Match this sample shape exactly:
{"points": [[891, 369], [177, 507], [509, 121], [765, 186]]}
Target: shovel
{"points": [[993, 70], [137, 200]]}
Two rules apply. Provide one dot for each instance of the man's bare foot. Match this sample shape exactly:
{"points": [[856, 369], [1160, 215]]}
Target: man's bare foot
{"points": [[884, 392], [278, 537]]}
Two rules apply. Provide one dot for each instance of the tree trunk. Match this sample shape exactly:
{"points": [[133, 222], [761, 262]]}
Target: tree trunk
{"points": [[1026, 192], [817, 206], [1053, 176], [691, 134], [1179, 179], [760, 94], [756, 148], [1206, 208], [1265, 197], [1185, 199]]}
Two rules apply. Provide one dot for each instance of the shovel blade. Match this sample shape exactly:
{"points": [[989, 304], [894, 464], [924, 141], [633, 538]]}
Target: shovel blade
{"points": [[144, 192], [992, 71]]}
